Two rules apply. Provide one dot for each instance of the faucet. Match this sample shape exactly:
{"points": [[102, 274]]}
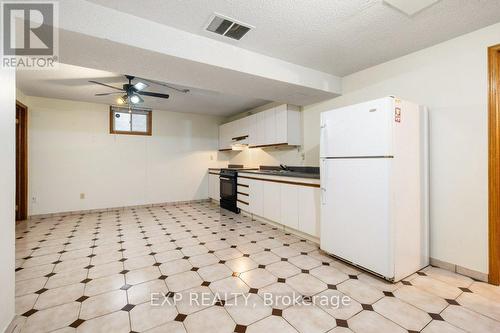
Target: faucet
{"points": [[284, 167]]}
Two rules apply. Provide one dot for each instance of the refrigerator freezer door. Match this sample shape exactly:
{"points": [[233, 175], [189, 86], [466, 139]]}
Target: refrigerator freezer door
{"points": [[359, 130], [355, 212]]}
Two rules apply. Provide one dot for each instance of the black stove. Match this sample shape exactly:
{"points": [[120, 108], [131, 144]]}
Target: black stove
{"points": [[228, 185]]}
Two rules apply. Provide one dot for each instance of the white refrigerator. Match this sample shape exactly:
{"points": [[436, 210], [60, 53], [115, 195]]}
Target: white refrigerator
{"points": [[374, 186]]}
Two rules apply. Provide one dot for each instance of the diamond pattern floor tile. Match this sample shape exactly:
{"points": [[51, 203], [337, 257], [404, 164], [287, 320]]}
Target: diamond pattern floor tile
{"points": [[96, 272]]}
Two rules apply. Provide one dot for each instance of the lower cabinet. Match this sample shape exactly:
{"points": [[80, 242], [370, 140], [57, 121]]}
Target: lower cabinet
{"points": [[289, 205], [294, 206], [309, 210], [272, 202], [256, 197], [213, 186]]}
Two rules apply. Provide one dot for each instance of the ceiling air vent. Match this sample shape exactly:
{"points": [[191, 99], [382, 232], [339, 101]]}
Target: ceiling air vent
{"points": [[228, 27]]}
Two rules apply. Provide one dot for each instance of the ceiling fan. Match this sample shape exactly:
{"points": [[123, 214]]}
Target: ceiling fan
{"points": [[132, 92]]}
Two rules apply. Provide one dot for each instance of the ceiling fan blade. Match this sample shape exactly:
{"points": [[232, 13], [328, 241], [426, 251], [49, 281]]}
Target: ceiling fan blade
{"points": [[111, 93], [165, 85], [140, 86], [106, 85], [153, 94]]}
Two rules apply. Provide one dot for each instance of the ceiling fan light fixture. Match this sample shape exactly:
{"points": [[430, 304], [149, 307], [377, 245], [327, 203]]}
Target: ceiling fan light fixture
{"points": [[135, 99], [140, 86]]}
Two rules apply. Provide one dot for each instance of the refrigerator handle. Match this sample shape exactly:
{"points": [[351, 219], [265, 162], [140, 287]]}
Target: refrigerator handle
{"points": [[322, 142], [323, 174]]}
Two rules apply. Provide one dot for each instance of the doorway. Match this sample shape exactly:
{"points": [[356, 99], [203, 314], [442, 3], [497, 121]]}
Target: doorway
{"points": [[21, 161], [494, 164]]}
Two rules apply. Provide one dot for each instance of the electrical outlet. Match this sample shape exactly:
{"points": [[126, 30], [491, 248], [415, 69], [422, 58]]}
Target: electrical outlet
{"points": [[33, 199], [82, 195]]}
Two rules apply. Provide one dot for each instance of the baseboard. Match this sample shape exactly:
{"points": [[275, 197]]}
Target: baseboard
{"points": [[16, 325], [103, 210], [479, 276]]}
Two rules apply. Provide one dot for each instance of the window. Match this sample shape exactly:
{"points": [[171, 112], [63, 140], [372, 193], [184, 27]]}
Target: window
{"points": [[134, 121]]}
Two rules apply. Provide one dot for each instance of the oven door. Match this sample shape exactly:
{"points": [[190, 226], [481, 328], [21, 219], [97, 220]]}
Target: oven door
{"points": [[227, 189]]}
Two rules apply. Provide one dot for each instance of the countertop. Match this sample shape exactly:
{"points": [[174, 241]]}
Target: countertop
{"points": [[295, 174]]}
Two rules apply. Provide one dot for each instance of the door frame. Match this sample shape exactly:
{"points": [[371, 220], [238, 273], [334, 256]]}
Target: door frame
{"points": [[23, 126], [494, 164]]}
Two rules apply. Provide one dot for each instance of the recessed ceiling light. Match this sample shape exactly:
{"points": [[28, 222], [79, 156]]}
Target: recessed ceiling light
{"points": [[410, 7]]}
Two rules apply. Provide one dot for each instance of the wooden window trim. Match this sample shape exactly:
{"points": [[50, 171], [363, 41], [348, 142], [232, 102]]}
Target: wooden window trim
{"points": [[494, 165], [149, 131]]}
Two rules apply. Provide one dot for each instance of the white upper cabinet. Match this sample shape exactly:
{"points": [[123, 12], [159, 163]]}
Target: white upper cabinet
{"points": [[240, 128], [253, 130], [276, 126], [269, 125], [224, 136], [288, 130]]}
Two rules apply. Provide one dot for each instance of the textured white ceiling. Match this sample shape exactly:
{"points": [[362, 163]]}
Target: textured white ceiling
{"points": [[334, 36], [71, 82]]}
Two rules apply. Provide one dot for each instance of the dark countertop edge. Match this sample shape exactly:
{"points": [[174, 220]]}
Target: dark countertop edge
{"points": [[291, 174], [237, 169]]}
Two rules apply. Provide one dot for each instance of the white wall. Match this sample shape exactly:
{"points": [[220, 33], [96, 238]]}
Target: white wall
{"points": [[451, 79], [72, 152], [7, 195]]}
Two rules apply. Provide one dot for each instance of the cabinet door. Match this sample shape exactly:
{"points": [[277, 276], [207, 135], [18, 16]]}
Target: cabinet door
{"points": [[242, 127], [221, 136], [253, 132], [281, 121], [309, 210], [256, 197], [216, 187], [261, 128], [269, 127], [225, 136], [210, 186], [272, 202], [231, 132], [290, 205]]}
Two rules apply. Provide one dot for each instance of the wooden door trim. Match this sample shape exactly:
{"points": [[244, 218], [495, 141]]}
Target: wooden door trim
{"points": [[494, 165], [23, 120]]}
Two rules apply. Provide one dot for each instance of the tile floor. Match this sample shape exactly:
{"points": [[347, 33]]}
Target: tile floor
{"points": [[96, 272]]}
